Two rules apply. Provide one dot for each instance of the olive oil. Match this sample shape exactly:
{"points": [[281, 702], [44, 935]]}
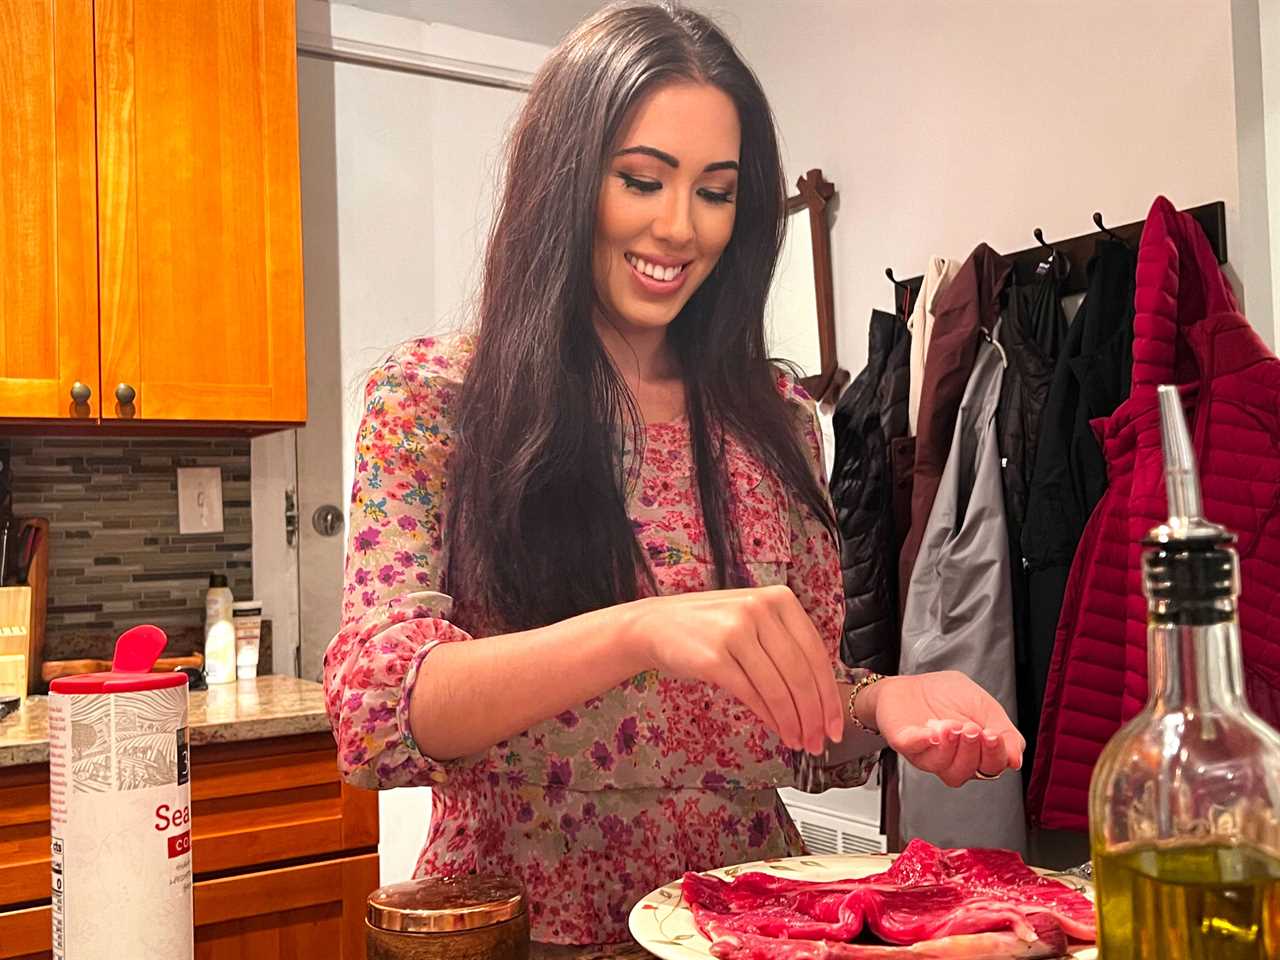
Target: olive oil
{"points": [[1212, 902]]}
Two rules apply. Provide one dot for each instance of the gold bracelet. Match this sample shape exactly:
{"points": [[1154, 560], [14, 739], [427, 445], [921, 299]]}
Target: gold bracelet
{"points": [[858, 687]]}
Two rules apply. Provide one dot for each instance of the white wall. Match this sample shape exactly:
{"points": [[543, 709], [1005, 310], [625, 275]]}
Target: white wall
{"points": [[944, 123], [1269, 43]]}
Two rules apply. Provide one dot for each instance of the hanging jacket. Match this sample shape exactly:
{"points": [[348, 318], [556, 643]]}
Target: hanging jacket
{"points": [[871, 410], [970, 301], [1090, 379], [1188, 331], [1031, 334], [959, 617], [938, 274]]}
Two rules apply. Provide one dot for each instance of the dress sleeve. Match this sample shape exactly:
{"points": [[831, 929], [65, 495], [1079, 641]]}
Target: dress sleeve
{"points": [[814, 577], [393, 610]]}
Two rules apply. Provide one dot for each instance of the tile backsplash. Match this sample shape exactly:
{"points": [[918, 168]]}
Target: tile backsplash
{"points": [[116, 557]]}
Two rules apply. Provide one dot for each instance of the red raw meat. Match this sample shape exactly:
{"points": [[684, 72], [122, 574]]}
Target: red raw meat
{"points": [[995, 945], [927, 896]]}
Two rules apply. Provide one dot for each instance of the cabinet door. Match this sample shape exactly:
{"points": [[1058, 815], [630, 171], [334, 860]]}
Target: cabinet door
{"points": [[198, 210], [48, 248], [314, 910]]}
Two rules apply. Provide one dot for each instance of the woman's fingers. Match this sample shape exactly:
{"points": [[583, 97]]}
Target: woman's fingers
{"points": [[788, 656], [1014, 744], [801, 688], [994, 758], [912, 742], [938, 747], [763, 674], [737, 683], [796, 622], [967, 756]]}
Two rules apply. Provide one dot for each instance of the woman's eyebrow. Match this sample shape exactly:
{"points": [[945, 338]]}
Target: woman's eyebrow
{"points": [[672, 162]]}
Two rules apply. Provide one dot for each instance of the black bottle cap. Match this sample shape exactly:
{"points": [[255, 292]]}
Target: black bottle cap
{"points": [[1190, 571], [217, 580]]}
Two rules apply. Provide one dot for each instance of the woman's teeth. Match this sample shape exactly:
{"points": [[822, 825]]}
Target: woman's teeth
{"points": [[665, 274]]}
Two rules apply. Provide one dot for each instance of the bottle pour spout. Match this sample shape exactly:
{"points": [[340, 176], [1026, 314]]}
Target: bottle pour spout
{"points": [[1181, 476]]}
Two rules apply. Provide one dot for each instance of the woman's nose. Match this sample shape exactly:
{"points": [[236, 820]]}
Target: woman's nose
{"points": [[674, 223]]}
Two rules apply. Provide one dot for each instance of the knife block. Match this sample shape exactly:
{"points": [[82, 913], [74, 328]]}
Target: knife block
{"points": [[15, 640]]}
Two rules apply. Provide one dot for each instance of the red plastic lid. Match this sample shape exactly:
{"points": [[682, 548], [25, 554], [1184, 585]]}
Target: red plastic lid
{"points": [[137, 650]]}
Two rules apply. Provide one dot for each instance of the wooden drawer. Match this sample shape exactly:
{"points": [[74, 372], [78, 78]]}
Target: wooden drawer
{"points": [[253, 803], [313, 910]]}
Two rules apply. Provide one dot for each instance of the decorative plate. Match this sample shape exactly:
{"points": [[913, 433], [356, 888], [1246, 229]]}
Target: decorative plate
{"points": [[663, 924]]}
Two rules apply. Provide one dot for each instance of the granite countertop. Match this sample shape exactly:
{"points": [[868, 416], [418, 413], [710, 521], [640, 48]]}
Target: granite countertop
{"points": [[271, 706]]}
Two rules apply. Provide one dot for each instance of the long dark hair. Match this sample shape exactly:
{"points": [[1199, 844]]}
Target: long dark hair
{"points": [[536, 519]]}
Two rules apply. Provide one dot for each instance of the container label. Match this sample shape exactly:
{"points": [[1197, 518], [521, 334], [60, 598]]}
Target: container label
{"points": [[59, 900], [120, 810]]}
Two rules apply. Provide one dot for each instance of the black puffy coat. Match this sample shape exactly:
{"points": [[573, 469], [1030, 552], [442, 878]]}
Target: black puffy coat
{"points": [[1031, 334], [872, 411], [1091, 378]]}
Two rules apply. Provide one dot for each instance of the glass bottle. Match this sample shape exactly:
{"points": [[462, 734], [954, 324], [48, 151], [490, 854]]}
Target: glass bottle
{"points": [[1184, 807]]}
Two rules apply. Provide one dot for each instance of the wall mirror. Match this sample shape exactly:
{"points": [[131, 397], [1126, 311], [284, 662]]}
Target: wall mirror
{"points": [[800, 321]]}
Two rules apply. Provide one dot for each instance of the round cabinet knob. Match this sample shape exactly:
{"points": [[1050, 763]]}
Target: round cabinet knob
{"points": [[125, 394], [80, 393]]}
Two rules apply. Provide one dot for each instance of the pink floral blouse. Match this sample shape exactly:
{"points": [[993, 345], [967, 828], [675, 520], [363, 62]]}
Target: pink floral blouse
{"points": [[593, 808]]}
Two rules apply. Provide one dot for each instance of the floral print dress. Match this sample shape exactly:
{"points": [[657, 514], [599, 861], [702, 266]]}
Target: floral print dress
{"points": [[593, 808]]}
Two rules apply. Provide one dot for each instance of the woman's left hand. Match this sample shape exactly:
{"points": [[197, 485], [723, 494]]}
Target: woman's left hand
{"points": [[945, 724]]}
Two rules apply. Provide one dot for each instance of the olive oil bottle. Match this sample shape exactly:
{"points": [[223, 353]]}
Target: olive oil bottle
{"points": [[1184, 807]]}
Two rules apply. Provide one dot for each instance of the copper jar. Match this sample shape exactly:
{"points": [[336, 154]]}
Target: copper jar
{"points": [[454, 918]]}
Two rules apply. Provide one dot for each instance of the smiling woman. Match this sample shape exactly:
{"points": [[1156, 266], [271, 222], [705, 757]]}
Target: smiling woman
{"points": [[668, 217], [592, 590], [662, 223]]}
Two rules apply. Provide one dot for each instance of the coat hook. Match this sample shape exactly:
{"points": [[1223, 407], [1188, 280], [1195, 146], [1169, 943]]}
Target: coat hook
{"points": [[1057, 262], [903, 309], [1097, 219]]}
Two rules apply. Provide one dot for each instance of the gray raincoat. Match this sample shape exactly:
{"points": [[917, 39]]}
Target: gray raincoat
{"points": [[959, 617]]}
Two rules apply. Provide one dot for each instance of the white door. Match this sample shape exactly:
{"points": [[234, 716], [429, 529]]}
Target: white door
{"points": [[399, 179], [399, 176]]}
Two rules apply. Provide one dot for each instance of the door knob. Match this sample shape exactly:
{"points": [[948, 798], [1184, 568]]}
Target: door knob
{"points": [[125, 394], [327, 520], [80, 393]]}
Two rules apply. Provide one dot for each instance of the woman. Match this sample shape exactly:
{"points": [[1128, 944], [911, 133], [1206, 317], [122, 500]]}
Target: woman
{"points": [[611, 486]]}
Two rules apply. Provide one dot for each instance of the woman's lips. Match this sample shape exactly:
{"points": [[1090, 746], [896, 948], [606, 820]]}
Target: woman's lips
{"points": [[660, 287]]}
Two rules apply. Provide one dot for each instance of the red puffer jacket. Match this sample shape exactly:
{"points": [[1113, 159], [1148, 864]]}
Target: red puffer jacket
{"points": [[1189, 331]]}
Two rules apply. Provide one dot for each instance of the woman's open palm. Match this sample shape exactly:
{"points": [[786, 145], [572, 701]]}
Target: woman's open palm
{"points": [[945, 724]]}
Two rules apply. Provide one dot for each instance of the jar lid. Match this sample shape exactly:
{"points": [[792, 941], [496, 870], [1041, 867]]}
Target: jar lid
{"points": [[443, 904]]}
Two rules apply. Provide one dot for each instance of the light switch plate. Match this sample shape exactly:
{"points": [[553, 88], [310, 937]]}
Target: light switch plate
{"points": [[199, 500]]}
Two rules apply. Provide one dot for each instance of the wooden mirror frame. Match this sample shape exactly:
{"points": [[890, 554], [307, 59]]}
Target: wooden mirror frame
{"points": [[815, 193]]}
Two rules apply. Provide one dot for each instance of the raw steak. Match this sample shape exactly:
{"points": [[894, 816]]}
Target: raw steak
{"points": [[996, 945], [930, 898]]}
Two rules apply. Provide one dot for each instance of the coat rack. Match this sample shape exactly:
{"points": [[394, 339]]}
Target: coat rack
{"points": [[815, 194], [1075, 252]]}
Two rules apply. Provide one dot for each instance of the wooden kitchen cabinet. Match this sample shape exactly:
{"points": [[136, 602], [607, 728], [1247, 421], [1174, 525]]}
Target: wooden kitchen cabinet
{"points": [[284, 853], [311, 911], [48, 225], [176, 131]]}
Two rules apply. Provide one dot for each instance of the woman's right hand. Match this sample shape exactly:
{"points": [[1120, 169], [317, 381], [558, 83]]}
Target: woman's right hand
{"points": [[756, 643]]}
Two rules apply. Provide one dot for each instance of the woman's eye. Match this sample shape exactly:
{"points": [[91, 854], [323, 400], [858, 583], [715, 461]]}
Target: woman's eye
{"points": [[715, 196], [642, 186]]}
